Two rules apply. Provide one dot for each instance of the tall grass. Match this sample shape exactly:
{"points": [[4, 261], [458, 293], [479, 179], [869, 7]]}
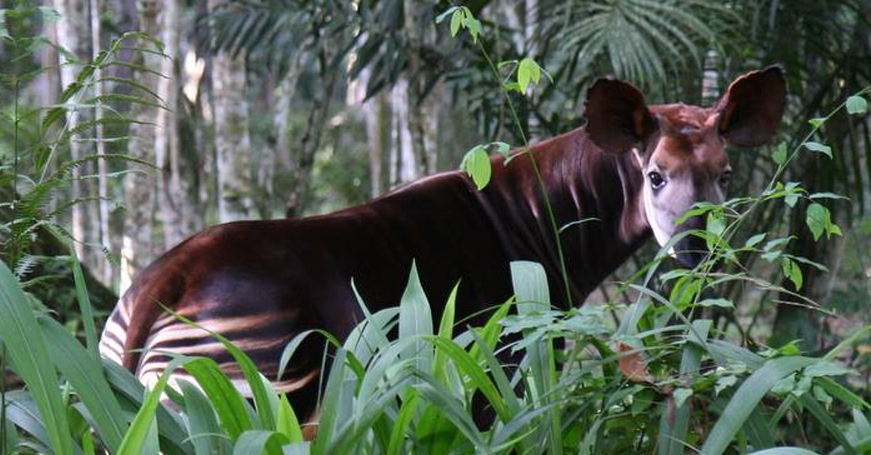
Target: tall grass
{"points": [[414, 394]]}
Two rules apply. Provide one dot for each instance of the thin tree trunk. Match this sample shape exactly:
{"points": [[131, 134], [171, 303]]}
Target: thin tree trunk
{"points": [[137, 248], [414, 30], [710, 79], [72, 30], [232, 140], [173, 197], [406, 168], [376, 113], [105, 271], [310, 141], [284, 95], [265, 155], [49, 84]]}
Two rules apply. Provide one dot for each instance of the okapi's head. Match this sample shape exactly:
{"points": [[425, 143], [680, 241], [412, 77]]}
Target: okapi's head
{"points": [[681, 149]]}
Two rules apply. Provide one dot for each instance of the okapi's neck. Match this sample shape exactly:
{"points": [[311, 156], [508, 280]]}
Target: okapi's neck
{"points": [[597, 192]]}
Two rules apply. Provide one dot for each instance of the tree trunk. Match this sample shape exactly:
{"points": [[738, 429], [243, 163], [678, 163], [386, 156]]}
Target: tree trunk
{"points": [[72, 30], [232, 140], [106, 270], [403, 162], [284, 95], [137, 249], [710, 79], [376, 112], [311, 139], [173, 197]]}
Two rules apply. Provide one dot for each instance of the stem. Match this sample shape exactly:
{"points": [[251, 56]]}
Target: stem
{"points": [[2, 398], [538, 176], [15, 243]]}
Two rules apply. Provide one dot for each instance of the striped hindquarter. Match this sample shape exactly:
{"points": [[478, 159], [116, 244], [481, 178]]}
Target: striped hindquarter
{"points": [[143, 337]]}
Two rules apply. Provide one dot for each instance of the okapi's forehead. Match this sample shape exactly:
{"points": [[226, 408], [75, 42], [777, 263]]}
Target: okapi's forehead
{"points": [[688, 139]]}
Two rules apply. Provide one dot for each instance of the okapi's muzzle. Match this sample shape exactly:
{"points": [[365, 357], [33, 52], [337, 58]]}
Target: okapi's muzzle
{"points": [[692, 249]]}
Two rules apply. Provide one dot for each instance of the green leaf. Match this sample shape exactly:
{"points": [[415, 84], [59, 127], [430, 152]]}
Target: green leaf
{"points": [[403, 420], [780, 154], [477, 164], [528, 71], [819, 220], [820, 148], [752, 241], [441, 17], [4, 31], [78, 367], [784, 386], [415, 320], [228, 403], [857, 105], [478, 378], [792, 271], [681, 395], [784, 451], [725, 382], [826, 369], [49, 14], [287, 423], [524, 74], [333, 397], [746, 398], [456, 21], [792, 190], [820, 394], [29, 354], [722, 303], [257, 441], [205, 433], [474, 27], [138, 434], [84, 305], [817, 122], [820, 413], [446, 331]]}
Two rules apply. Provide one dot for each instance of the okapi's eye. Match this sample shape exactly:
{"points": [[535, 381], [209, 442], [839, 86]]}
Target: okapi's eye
{"points": [[656, 180], [725, 178]]}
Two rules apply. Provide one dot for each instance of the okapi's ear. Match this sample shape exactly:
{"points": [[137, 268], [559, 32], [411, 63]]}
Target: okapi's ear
{"points": [[617, 117], [752, 107]]}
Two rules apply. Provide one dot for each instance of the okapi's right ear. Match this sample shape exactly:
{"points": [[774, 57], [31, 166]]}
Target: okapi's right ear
{"points": [[617, 116], [751, 109]]}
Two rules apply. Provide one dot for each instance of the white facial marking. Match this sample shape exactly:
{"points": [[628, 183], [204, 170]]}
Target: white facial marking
{"points": [[662, 235]]}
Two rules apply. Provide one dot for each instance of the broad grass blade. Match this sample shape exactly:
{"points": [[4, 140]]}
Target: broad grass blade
{"points": [[27, 348], [745, 400], [135, 440], [673, 428], [205, 433], [78, 367], [415, 319], [228, 403]]}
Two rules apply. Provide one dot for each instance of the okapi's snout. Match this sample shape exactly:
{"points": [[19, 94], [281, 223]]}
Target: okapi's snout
{"points": [[691, 250], [680, 150]]}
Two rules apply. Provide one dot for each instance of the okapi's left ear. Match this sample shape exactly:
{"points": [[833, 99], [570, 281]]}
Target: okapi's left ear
{"points": [[752, 107], [617, 116]]}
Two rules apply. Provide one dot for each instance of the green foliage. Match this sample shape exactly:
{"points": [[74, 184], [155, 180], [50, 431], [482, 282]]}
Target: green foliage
{"points": [[581, 400], [38, 172]]}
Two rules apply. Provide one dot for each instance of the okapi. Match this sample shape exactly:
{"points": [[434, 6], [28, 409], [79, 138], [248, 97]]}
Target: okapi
{"points": [[634, 168]]}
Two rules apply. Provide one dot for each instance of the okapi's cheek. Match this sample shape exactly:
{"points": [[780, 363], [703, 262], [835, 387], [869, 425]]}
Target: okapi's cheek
{"points": [[662, 229]]}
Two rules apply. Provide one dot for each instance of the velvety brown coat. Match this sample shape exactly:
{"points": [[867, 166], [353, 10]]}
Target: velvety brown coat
{"points": [[261, 283]]}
